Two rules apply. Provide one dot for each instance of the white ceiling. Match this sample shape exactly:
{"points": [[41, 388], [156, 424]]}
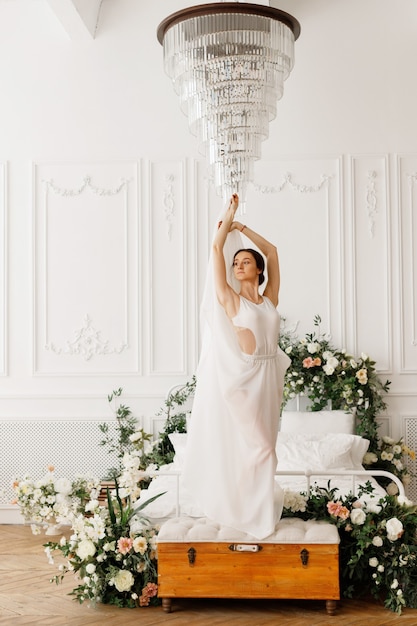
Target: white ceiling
{"points": [[77, 18]]}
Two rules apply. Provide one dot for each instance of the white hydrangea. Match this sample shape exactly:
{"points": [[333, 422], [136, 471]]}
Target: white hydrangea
{"points": [[294, 501]]}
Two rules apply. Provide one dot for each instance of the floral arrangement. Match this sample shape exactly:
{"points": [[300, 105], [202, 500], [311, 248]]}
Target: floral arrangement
{"points": [[112, 551], [175, 420], [136, 464], [50, 499], [328, 375], [390, 457], [378, 541], [325, 374], [143, 455]]}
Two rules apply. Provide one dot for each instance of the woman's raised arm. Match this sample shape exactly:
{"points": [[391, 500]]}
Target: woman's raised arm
{"points": [[272, 262], [227, 297]]}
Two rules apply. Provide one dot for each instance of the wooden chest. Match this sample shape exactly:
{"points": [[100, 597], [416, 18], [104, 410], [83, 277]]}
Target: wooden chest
{"points": [[196, 568]]}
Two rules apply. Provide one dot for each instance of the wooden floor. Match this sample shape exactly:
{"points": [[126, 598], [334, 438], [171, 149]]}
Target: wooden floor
{"points": [[28, 598]]}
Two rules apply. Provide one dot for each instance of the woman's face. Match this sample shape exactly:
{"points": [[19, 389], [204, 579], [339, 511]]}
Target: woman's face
{"points": [[244, 266]]}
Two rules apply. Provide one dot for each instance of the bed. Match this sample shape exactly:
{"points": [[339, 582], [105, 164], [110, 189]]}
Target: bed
{"points": [[199, 558]]}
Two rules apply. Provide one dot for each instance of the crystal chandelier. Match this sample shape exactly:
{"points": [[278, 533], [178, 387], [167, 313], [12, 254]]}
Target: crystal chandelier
{"points": [[228, 62]]}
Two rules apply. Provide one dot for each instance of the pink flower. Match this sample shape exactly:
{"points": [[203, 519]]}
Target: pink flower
{"points": [[309, 362], [124, 545], [333, 508], [150, 590], [337, 510], [144, 600]]}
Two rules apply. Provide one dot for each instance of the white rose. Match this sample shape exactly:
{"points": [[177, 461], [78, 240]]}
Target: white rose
{"points": [[312, 348], [394, 584], [332, 361], [92, 505], [63, 485], [394, 529], [362, 376], [123, 580], [357, 516], [392, 489], [403, 501], [373, 507], [137, 436], [85, 549], [373, 562], [328, 369], [91, 568], [377, 541], [370, 457], [389, 440], [380, 568]]}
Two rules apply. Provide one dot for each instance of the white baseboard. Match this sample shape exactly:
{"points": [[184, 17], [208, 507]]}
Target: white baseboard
{"points": [[10, 514]]}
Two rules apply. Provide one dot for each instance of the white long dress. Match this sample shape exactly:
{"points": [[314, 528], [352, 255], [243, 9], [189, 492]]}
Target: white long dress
{"points": [[230, 457]]}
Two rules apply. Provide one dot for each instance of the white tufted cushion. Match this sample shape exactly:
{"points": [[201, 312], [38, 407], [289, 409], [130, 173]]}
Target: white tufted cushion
{"points": [[288, 530]]}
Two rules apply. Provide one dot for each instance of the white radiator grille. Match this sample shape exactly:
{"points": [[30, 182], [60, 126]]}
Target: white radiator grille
{"points": [[410, 439], [72, 447]]}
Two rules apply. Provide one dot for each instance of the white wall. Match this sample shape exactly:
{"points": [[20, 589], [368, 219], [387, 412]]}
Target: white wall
{"points": [[106, 213]]}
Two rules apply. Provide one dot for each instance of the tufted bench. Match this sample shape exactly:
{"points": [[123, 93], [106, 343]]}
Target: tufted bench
{"points": [[198, 558]]}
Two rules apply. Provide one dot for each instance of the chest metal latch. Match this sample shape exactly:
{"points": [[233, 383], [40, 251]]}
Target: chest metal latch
{"points": [[304, 554], [191, 556]]}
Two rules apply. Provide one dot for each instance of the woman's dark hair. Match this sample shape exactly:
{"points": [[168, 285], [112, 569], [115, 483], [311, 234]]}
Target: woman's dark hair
{"points": [[260, 263]]}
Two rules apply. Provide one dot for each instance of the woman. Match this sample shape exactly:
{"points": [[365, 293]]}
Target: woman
{"points": [[230, 458]]}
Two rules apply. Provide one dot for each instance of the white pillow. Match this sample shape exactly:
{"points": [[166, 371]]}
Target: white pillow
{"points": [[323, 453], [179, 441], [359, 449], [317, 422]]}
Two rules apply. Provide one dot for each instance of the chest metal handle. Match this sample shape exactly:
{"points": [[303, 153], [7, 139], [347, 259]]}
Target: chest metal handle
{"points": [[245, 547]]}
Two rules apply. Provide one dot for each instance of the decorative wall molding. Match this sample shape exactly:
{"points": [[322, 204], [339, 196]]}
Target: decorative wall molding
{"points": [[169, 204], [407, 178], [412, 179], [3, 268], [287, 181], [86, 259], [370, 250], [371, 201], [86, 184], [167, 302], [87, 342], [309, 195]]}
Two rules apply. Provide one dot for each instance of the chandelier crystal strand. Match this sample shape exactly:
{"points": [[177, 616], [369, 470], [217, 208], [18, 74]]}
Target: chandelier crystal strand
{"points": [[228, 63]]}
